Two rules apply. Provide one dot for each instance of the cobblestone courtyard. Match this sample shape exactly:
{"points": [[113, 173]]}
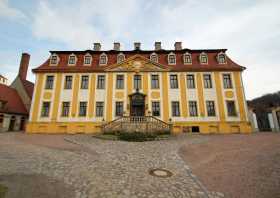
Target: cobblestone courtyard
{"points": [[82, 166]]}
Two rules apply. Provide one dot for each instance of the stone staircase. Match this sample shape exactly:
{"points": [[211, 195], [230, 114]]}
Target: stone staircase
{"points": [[143, 124]]}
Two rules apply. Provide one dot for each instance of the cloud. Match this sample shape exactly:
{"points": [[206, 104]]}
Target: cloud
{"points": [[8, 12], [249, 29], [83, 22]]}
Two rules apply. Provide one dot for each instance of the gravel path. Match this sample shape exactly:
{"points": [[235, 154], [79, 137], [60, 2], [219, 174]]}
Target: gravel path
{"points": [[238, 165], [99, 168]]}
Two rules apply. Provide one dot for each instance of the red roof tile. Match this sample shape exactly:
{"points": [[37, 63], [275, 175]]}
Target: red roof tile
{"points": [[212, 65], [12, 101]]}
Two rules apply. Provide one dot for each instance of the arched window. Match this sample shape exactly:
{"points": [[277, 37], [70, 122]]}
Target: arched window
{"points": [[87, 59], [221, 58], [103, 59], [120, 58], [72, 59], [154, 57], [203, 58], [54, 59], [187, 58], [171, 58]]}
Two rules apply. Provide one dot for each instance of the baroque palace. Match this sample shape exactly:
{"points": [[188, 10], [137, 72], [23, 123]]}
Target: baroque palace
{"points": [[191, 90]]}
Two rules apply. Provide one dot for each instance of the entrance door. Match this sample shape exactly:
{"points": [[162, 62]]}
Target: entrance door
{"points": [[12, 123], [137, 107]]}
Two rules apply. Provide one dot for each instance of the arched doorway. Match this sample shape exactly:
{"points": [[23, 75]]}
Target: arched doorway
{"points": [[12, 123], [22, 124], [137, 104]]}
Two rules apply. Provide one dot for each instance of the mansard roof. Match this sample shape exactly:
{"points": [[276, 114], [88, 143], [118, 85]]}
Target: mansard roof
{"points": [[212, 65]]}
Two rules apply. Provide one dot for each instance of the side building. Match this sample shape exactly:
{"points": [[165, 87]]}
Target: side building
{"points": [[15, 100], [195, 90]]}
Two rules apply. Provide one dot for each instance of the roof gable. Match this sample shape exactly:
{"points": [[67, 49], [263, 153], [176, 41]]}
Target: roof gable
{"points": [[137, 63]]}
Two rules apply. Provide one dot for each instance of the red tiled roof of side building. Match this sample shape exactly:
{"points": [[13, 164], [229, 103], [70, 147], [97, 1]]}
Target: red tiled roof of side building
{"points": [[29, 87], [212, 65], [12, 101]]}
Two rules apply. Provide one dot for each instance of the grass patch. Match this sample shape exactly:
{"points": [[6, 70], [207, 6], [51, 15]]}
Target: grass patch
{"points": [[3, 191]]}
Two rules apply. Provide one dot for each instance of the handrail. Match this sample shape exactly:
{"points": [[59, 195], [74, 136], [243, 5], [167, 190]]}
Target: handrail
{"points": [[142, 123]]}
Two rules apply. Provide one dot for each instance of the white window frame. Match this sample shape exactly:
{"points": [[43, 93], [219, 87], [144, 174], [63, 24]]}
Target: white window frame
{"points": [[69, 59], [154, 54], [171, 54], [118, 58], [184, 58], [106, 57], [200, 58], [87, 55], [57, 60], [218, 58]]}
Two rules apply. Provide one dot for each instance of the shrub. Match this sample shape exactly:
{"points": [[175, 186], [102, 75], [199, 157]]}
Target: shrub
{"points": [[137, 137]]}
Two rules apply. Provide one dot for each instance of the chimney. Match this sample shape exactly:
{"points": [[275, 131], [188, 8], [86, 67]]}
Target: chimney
{"points": [[157, 46], [137, 46], [178, 45], [117, 46], [24, 62], [96, 46]]}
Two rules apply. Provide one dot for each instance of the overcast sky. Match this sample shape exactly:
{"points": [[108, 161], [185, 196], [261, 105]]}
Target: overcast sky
{"points": [[249, 29]]}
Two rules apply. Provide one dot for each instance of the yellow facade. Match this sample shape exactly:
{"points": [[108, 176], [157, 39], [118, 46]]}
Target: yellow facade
{"points": [[90, 123]]}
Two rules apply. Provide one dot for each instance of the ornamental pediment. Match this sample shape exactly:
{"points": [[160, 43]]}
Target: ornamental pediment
{"points": [[137, 63]]}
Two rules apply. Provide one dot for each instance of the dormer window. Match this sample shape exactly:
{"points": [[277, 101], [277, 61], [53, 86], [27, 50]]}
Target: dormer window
{"points": [[87, 59], [221, 58], [54, 59], [171, 59], [120, 58], [154, 57], [72, 59], [187, 58], [103, 59], [203, 58]]}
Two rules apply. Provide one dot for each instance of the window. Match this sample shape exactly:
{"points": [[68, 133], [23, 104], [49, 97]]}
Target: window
{"points": [[203, 58], [65, 109], [173, 81], [221, 58], [119, 108], [68, 82], [210, 105], [49, 82], [120, 58], [154, 57], [137, 81], [227, 81], [83, 109], [45, 109], [155, 108], [54, 59], [207, 81], [190, 81], [87, 59], [101, 82], [99, 109], [120, 82], [84, 82], [193, 108], [154, 82], [72, 60], [175, 109], [231, 108], [171, 59], [103, 59], [187, 58]]}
